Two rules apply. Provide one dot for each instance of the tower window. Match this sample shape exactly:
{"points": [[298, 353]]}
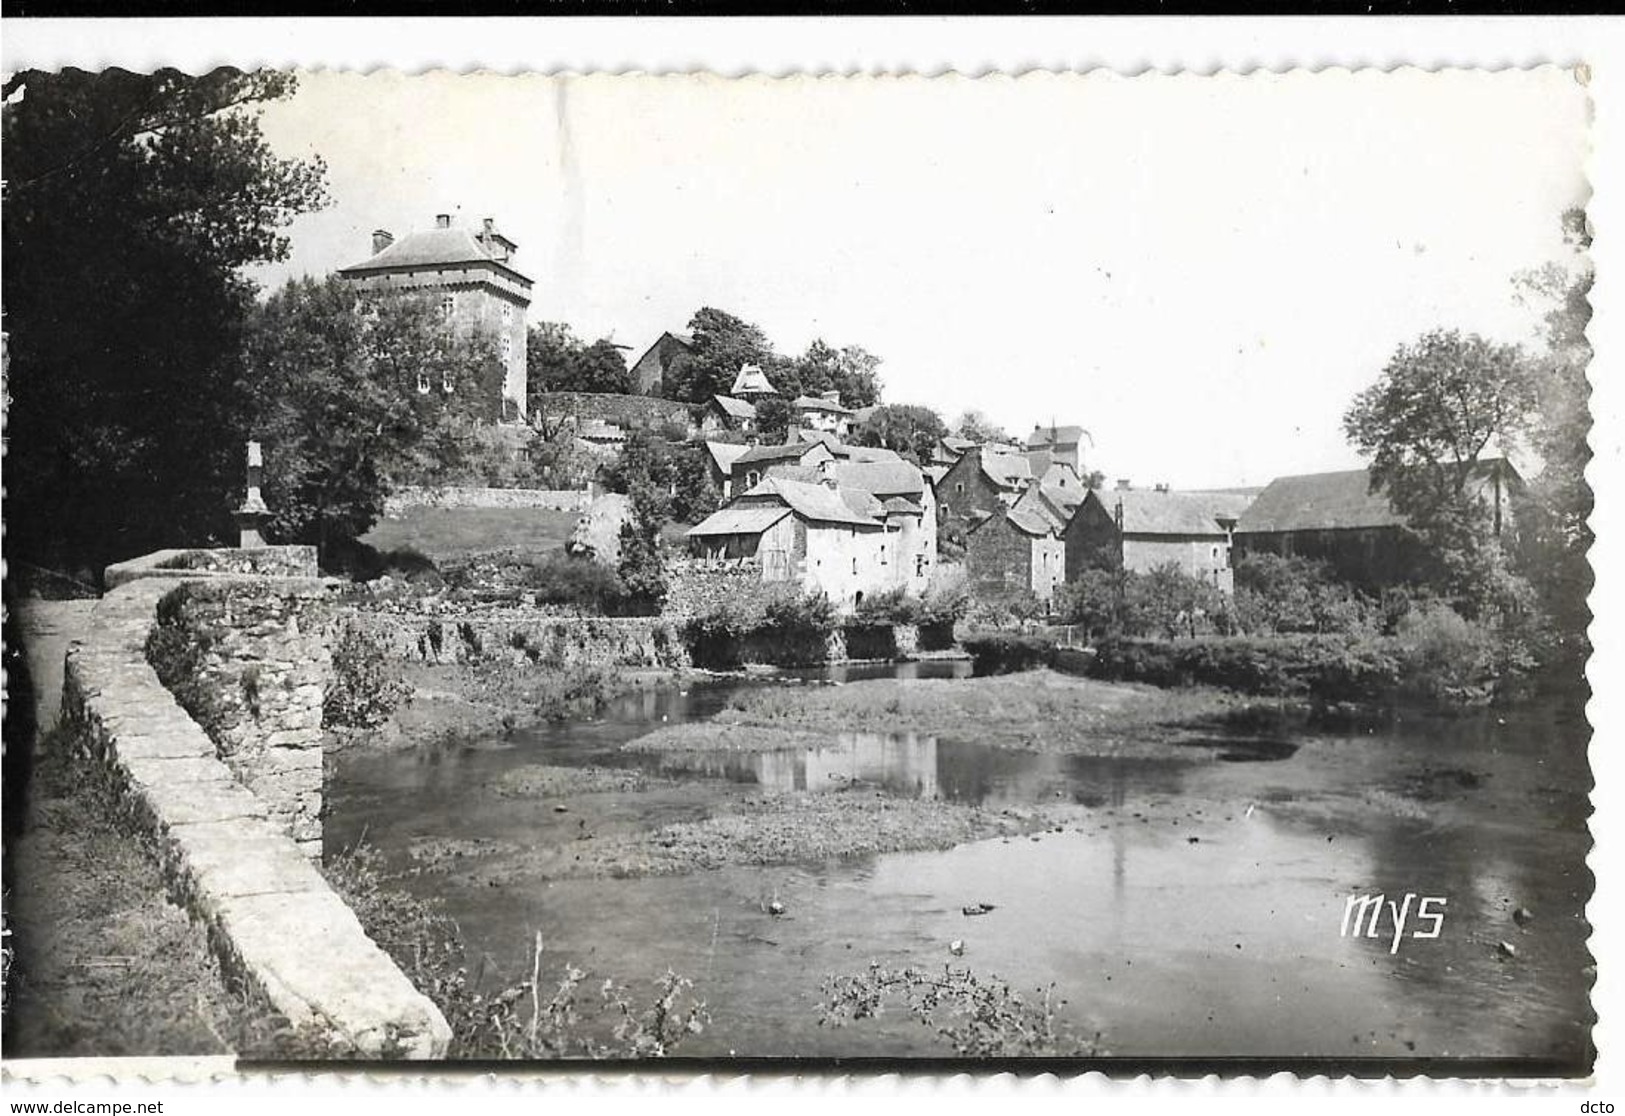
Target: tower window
{"points": [[446, 381], [423, 383], [448, 304]]}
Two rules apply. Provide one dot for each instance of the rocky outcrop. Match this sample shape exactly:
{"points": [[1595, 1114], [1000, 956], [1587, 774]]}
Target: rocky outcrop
{"points": [[270, 915]]}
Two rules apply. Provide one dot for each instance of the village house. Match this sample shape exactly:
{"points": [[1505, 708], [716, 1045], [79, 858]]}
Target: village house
{"points": [[472, 276], [720, 457], [807, 534], [1140, 529], [749, 468], [724, 414], [950, 449], [1337, 518], [1015, 549], [1061, 443], [823, 412], [909, 509], [667, 356], [983, 481]]}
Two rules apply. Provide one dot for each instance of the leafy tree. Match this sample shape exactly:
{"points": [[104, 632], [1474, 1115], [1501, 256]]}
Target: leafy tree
{"points": [[852, 371], [907, 429], [1555, 533], [696, 495], [1441, 402], [557, 360], [773, 417], [977, 427], [646, 472], [723, 344], [131, 202], [348, 392]]}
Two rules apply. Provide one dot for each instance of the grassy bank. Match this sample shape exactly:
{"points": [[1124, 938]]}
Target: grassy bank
{"points": [[105, 965], [1038, 711]]}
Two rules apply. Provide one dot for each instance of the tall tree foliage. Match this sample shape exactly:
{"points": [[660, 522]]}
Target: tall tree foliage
{"points": [[852, 371], [348, 392], [1440, 406], [723, 344], [558, 360], [1557, 533], [907, 429], [977, 427], [131, 201]]}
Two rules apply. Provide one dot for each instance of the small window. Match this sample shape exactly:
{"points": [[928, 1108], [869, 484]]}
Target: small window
{"points": [[506, 345], [882, 554], [854, 565], [959, 486], [446, 381], [423, 383], [448, 305], [919, 565]]}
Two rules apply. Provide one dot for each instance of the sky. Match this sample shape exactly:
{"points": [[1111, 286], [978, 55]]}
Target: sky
{"points": [[1202, 271]]}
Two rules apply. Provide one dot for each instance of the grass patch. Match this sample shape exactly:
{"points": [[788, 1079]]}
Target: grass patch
{"points": [[1037, 711], [453, 533]]}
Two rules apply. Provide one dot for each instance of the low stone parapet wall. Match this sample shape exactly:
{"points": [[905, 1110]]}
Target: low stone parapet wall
{"points": [[263, 561], [270, 915]]}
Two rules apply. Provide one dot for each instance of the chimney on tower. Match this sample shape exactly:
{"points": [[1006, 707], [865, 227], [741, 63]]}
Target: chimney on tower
{"points": [[381, 239]]}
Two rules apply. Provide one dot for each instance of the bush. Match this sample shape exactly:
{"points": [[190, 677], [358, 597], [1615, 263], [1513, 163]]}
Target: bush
{"points": [[894, 606], [580, 583], [1331, 668], [786, 628], [1277, 595], [366, 688], [1445, 656], [1008, 652]]}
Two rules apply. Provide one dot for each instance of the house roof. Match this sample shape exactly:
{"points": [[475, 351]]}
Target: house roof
{"points": [[1008, 470], [1029, 521], [813, 403], [883, 478], [734, 408], [1319, 502], [1037, 502], [898, 505], [792, 451], [1149, 512], [868, 453], [1337, 501], [816, 502], [724, 454], [956, 443], [1054, 436], [435, 247], [753, 379], [740, 520], [864, 503], [935, 472], [682, 339]]}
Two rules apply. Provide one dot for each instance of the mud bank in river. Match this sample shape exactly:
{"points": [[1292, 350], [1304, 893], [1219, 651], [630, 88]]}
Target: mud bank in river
{"points": [[1039, 711], [743, 829]]}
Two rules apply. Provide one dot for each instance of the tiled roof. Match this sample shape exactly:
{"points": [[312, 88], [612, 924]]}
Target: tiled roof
{"points": [[816, 502], [725, 454], [1035, 501], [1149, 512], [1054, 436], [793, 451], [740, 520], [753, 379], [813, 403], [1008, 470], [898, 505], [1319, 501], [1029, 521], [864, 503], [883, 478], [867, 453], [735, 408], [431, 248]]}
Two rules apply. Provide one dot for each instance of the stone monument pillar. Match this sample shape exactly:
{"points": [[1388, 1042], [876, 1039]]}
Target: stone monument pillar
{"points": [[251, 517]]}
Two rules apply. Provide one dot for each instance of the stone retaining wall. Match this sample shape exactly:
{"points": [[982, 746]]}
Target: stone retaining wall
{"points": [[270, 914], [260, 663], [452, 496], [634, 642], [267, 561]]}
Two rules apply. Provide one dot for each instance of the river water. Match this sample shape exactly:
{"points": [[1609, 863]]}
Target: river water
{"points": [[1196, 910]]}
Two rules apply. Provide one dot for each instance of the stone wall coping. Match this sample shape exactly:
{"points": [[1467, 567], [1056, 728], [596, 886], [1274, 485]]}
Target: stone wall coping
{"points": [[153, 565], [270, 914]]}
